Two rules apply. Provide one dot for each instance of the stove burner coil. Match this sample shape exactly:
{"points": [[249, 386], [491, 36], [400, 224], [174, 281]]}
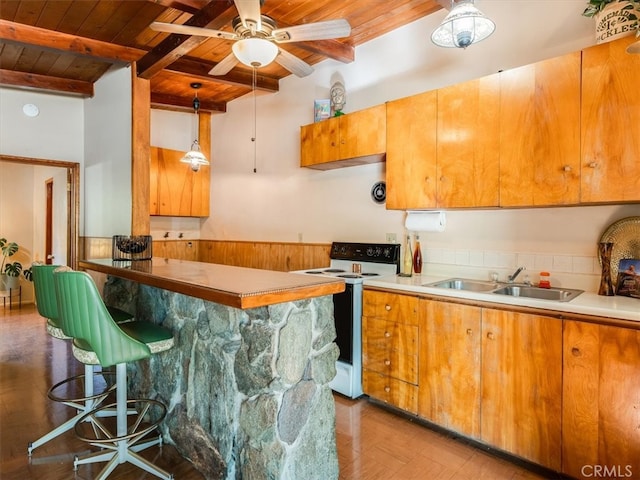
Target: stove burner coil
{"points": [[333, 270]]}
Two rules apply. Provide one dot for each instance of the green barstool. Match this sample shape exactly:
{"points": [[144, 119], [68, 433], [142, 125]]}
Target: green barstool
{"points": [[97, 338], [89, 399]]}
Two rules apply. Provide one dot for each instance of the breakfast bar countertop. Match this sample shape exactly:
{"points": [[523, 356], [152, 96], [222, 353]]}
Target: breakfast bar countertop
{"points": [[237, 287]]}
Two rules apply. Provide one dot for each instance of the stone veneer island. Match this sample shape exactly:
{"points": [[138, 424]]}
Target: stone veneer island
{"points": [[246, 383]]}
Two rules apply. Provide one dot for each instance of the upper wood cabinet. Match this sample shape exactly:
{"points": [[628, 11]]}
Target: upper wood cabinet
{"points": [[522, 385], [468, 139], [610, 123], [353, 139], [175, 189], [411, 152], [540, 133], [601, 399]]}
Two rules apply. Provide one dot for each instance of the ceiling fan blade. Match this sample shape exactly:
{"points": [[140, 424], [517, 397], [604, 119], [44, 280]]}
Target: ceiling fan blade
{"points": [[249, 12], [292, 63], [189, 30], [313, 31], [223, 66]]}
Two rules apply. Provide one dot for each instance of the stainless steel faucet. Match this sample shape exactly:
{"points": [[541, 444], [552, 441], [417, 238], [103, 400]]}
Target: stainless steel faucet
{"points": [[511, 278]]}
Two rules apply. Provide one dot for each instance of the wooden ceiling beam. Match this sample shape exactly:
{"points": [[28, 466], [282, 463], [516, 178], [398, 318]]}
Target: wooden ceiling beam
{"points": [[46, 82], [214, 15], [334, 49], [236, 77], [170, 102], [63, 42]]}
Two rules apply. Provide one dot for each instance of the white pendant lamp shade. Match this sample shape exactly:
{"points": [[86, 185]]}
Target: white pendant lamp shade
{"points": [[195, 157], [464, 25], [255, 52]]}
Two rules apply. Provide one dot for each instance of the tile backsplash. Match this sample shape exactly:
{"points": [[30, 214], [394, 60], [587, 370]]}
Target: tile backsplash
{"points": [[579, 271]]}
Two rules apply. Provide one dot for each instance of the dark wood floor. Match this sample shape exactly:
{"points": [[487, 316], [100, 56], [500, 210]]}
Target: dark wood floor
{"points": [[373, 444]]}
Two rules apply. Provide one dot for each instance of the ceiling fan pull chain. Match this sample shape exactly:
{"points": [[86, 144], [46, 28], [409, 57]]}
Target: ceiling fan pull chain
{"points": [[255, 116]]}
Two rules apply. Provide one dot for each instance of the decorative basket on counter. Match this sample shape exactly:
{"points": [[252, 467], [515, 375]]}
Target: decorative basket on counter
{"points": [[134, 247]]}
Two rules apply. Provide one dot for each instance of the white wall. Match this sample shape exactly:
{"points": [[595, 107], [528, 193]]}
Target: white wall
{"points": [[107, 156], [283, 202]]}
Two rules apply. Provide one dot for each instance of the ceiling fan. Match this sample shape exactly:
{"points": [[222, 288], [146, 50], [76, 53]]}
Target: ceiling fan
{"points": [[256, 37]]}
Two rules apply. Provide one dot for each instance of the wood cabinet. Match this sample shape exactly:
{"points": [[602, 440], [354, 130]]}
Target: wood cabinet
{"points": [[390, 348], [175, 189], [352, 139], [468, 144], [601, 400], [610, 123], [522, 385], [450, 366], [540, 133], [411, 152]]}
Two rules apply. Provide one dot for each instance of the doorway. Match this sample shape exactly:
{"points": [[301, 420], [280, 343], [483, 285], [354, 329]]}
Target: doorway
{"points": [[72, 193]]}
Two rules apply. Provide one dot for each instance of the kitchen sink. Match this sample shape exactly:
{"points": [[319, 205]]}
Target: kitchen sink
{"points": [[557, 294], [464, 284], [515, 290]]}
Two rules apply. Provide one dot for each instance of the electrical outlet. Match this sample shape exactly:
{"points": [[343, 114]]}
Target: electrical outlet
{"points": [[391, 238], [299, 237]]}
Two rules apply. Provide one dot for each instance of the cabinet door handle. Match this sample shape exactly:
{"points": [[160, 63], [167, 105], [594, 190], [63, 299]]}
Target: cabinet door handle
{"points": [[490, 336], [566, 168], [387, 334], [387, 307], [387, 362], [469, 331], [387, 389], [575, 351], [593, 165]]}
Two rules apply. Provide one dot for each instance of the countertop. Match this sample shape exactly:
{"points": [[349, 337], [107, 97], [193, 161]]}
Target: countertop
{"points": [[590, 304], [227, 285]]}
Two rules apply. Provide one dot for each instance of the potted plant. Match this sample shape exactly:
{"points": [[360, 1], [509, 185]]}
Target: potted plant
{"points": [[10, 271], [614, 18]]}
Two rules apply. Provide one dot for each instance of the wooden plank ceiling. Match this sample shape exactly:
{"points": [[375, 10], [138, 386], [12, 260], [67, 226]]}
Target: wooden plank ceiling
{"points": [[65, 46]]}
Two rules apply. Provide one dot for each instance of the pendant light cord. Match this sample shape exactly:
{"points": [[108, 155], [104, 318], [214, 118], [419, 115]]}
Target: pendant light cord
{"points": [[255, 120]]}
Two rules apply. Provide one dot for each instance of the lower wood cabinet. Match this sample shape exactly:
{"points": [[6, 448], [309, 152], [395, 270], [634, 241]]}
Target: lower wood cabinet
{"points": [[390, 349], [450, 366], [601, 401], [522, 385], [564, 394]]}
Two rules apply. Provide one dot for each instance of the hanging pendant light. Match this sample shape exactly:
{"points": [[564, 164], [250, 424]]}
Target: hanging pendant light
{"points": [[195, 157], [464, 25]]}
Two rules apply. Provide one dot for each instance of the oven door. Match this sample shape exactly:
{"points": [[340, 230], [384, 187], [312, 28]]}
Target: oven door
{"points": [[343, 311]]}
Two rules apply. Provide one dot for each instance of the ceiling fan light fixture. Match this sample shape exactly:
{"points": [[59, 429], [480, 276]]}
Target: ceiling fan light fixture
{"points": [[255, 52], [463, 26]]}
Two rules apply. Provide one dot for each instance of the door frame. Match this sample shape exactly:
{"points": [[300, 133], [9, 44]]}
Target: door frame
{"points": [[73, 194]]}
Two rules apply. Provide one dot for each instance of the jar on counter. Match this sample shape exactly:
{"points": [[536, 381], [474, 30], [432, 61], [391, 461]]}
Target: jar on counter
{"points": [[545, 280]]}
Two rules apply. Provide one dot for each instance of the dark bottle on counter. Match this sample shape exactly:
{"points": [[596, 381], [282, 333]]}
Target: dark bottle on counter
{"points": [[417, 257]]}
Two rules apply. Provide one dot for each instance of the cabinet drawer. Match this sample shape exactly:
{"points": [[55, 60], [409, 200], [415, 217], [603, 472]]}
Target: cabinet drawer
{"points": [[390, 306], [392, 363], [386, 336], [390, 390]]}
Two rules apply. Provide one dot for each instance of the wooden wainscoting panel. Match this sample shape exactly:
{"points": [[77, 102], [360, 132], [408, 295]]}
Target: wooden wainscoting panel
{"points": [[278, 256]]}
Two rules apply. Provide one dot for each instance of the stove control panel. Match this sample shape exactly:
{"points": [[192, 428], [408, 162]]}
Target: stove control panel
{"points": [[366, 252]]}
